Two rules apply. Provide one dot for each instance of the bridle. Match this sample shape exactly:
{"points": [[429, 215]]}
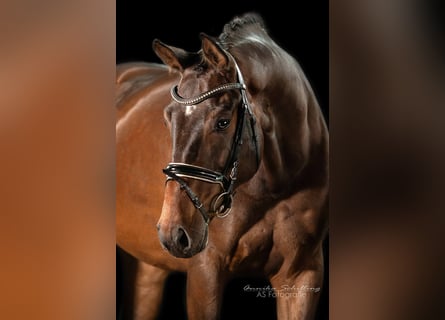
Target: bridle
{"points": [[222, 203]]}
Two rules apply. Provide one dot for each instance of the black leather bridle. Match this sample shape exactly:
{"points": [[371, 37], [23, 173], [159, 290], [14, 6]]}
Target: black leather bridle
{"points": [[222, 203]]}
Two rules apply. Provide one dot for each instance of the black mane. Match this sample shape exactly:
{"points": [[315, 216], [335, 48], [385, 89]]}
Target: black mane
{"points": [[239, 27]]}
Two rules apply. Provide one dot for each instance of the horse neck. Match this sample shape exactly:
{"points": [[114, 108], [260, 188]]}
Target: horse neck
{"points": [[293, 132]]}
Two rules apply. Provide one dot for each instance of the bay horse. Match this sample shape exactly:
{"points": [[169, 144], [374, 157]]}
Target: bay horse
{"points": [[221, 171]]}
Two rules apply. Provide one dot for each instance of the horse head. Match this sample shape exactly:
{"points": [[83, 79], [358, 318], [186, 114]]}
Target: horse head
{"points": [[214, 143]]}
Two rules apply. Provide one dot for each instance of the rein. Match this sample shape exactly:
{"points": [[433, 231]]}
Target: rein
{"points": [[221, 204]]}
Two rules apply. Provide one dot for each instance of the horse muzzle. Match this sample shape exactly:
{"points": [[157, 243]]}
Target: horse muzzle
{"points": [[180, 243]]}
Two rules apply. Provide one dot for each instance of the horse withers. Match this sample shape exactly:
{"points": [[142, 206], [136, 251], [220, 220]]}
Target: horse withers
{"points": [[222, 172]]}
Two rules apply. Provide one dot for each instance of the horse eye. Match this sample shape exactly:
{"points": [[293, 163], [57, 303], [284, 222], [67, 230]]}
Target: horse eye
{"points": [[222, 124]]}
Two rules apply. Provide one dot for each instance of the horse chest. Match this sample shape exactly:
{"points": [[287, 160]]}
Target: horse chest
{"points": [[253, 248]]}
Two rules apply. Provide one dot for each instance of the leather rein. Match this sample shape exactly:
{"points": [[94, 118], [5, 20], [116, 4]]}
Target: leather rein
{"points": [[222, 203]]}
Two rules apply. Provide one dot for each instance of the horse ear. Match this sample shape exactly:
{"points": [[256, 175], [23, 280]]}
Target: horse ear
{"points": [[174, 57], [213, 52]]}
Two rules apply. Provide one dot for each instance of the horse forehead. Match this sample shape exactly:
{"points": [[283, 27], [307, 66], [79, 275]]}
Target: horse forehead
{"points": [[198, 82], [189, 109], [192, 85], [190, 117]]}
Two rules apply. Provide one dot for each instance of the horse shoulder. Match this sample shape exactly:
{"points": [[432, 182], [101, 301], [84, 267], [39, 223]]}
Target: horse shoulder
{"points": [[136, 80]]}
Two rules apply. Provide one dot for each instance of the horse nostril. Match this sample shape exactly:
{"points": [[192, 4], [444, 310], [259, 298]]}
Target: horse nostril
{"points": [[182, 238], [158, 227]]}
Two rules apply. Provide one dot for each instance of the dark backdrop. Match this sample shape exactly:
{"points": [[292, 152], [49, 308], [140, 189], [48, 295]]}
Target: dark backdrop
{"points": [[301, 28]]}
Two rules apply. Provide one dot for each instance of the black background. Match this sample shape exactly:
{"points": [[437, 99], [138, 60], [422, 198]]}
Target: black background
{"points": [[301, 28]]}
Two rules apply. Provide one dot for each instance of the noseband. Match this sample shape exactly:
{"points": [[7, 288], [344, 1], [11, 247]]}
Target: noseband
{"points": [[221, 204]]}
